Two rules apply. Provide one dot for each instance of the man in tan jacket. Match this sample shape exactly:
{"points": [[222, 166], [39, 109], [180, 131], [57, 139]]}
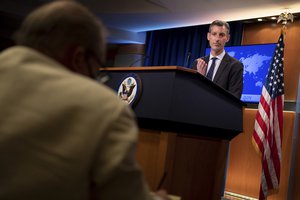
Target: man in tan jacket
{"points": [[64, 136]]}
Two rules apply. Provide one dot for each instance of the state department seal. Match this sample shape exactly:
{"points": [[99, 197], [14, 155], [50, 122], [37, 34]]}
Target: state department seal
{"points": [[130, 89]]}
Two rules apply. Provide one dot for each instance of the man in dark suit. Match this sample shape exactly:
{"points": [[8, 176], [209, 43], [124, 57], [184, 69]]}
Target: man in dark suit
{"points": [[219, 67]]}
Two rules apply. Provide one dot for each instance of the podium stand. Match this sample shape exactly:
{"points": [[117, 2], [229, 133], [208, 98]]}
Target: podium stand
{"points": [[186, 123]]}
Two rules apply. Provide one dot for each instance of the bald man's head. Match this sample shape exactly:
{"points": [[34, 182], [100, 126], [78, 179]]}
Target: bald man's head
{"points": [[61, 25]]}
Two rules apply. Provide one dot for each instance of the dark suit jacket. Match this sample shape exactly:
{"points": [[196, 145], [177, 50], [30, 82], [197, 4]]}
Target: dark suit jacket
{"points": [[229, 75]]}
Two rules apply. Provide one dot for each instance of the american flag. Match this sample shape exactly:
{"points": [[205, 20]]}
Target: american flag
{"points": [[267, 134]]}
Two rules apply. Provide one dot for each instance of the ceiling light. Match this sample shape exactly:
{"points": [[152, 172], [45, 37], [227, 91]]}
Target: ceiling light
{"points": [[260, 19]]}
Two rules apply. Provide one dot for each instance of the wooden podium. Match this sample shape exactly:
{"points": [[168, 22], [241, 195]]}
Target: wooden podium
{"points": [[186, 123]]}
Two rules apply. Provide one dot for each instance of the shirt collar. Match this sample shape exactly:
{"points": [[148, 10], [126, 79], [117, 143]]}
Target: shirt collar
{"points": [[220, 56]]}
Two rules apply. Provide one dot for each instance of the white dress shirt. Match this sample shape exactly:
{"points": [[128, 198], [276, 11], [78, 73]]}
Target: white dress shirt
{"points": [[217, 64]]}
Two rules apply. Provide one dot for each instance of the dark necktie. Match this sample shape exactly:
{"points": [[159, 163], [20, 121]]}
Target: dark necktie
{"points": [[211, 69]]}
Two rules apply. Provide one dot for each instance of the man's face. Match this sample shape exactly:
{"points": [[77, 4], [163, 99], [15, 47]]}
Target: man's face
{"points": [[217, 38]]}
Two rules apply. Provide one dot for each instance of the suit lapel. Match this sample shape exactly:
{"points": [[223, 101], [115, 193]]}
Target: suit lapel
{"points": [[221, 68]]}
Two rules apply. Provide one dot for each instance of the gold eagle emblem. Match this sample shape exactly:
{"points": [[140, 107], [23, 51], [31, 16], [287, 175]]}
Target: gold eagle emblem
{"points": [[285, 17], [127, 89]]}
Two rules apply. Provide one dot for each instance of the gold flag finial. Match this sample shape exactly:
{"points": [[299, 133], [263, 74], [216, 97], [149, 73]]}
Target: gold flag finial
{"points": [[284, 18]]}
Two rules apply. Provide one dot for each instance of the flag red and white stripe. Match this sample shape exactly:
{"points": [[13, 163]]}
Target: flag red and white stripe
{"points": [[267, 134]]}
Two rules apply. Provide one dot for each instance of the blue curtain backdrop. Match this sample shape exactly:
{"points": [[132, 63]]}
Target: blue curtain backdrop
{"points": [[181, 46]]}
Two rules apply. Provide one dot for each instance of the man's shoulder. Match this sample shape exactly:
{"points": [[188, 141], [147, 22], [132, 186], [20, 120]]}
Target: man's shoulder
{"points": [[232, 60], [88, 89], [206, 58], [54, 81], [85, 96]]}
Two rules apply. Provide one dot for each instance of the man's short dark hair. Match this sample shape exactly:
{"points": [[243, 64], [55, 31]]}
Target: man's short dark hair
{"points": [[220, 23]]}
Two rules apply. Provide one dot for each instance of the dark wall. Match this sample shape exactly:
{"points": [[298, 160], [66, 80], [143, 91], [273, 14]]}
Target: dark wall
{"points": [[9, 24]]}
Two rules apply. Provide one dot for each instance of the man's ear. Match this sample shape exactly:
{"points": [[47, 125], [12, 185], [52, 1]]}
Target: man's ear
{"points": [[73, 58], [78, 59], [228, 38]]}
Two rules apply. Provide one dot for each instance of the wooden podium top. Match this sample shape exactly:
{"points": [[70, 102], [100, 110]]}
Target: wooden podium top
{"points": [[148, 68]]}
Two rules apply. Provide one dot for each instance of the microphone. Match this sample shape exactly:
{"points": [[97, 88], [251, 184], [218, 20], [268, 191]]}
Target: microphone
{"points": [[187, 59], [139, 59]]}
